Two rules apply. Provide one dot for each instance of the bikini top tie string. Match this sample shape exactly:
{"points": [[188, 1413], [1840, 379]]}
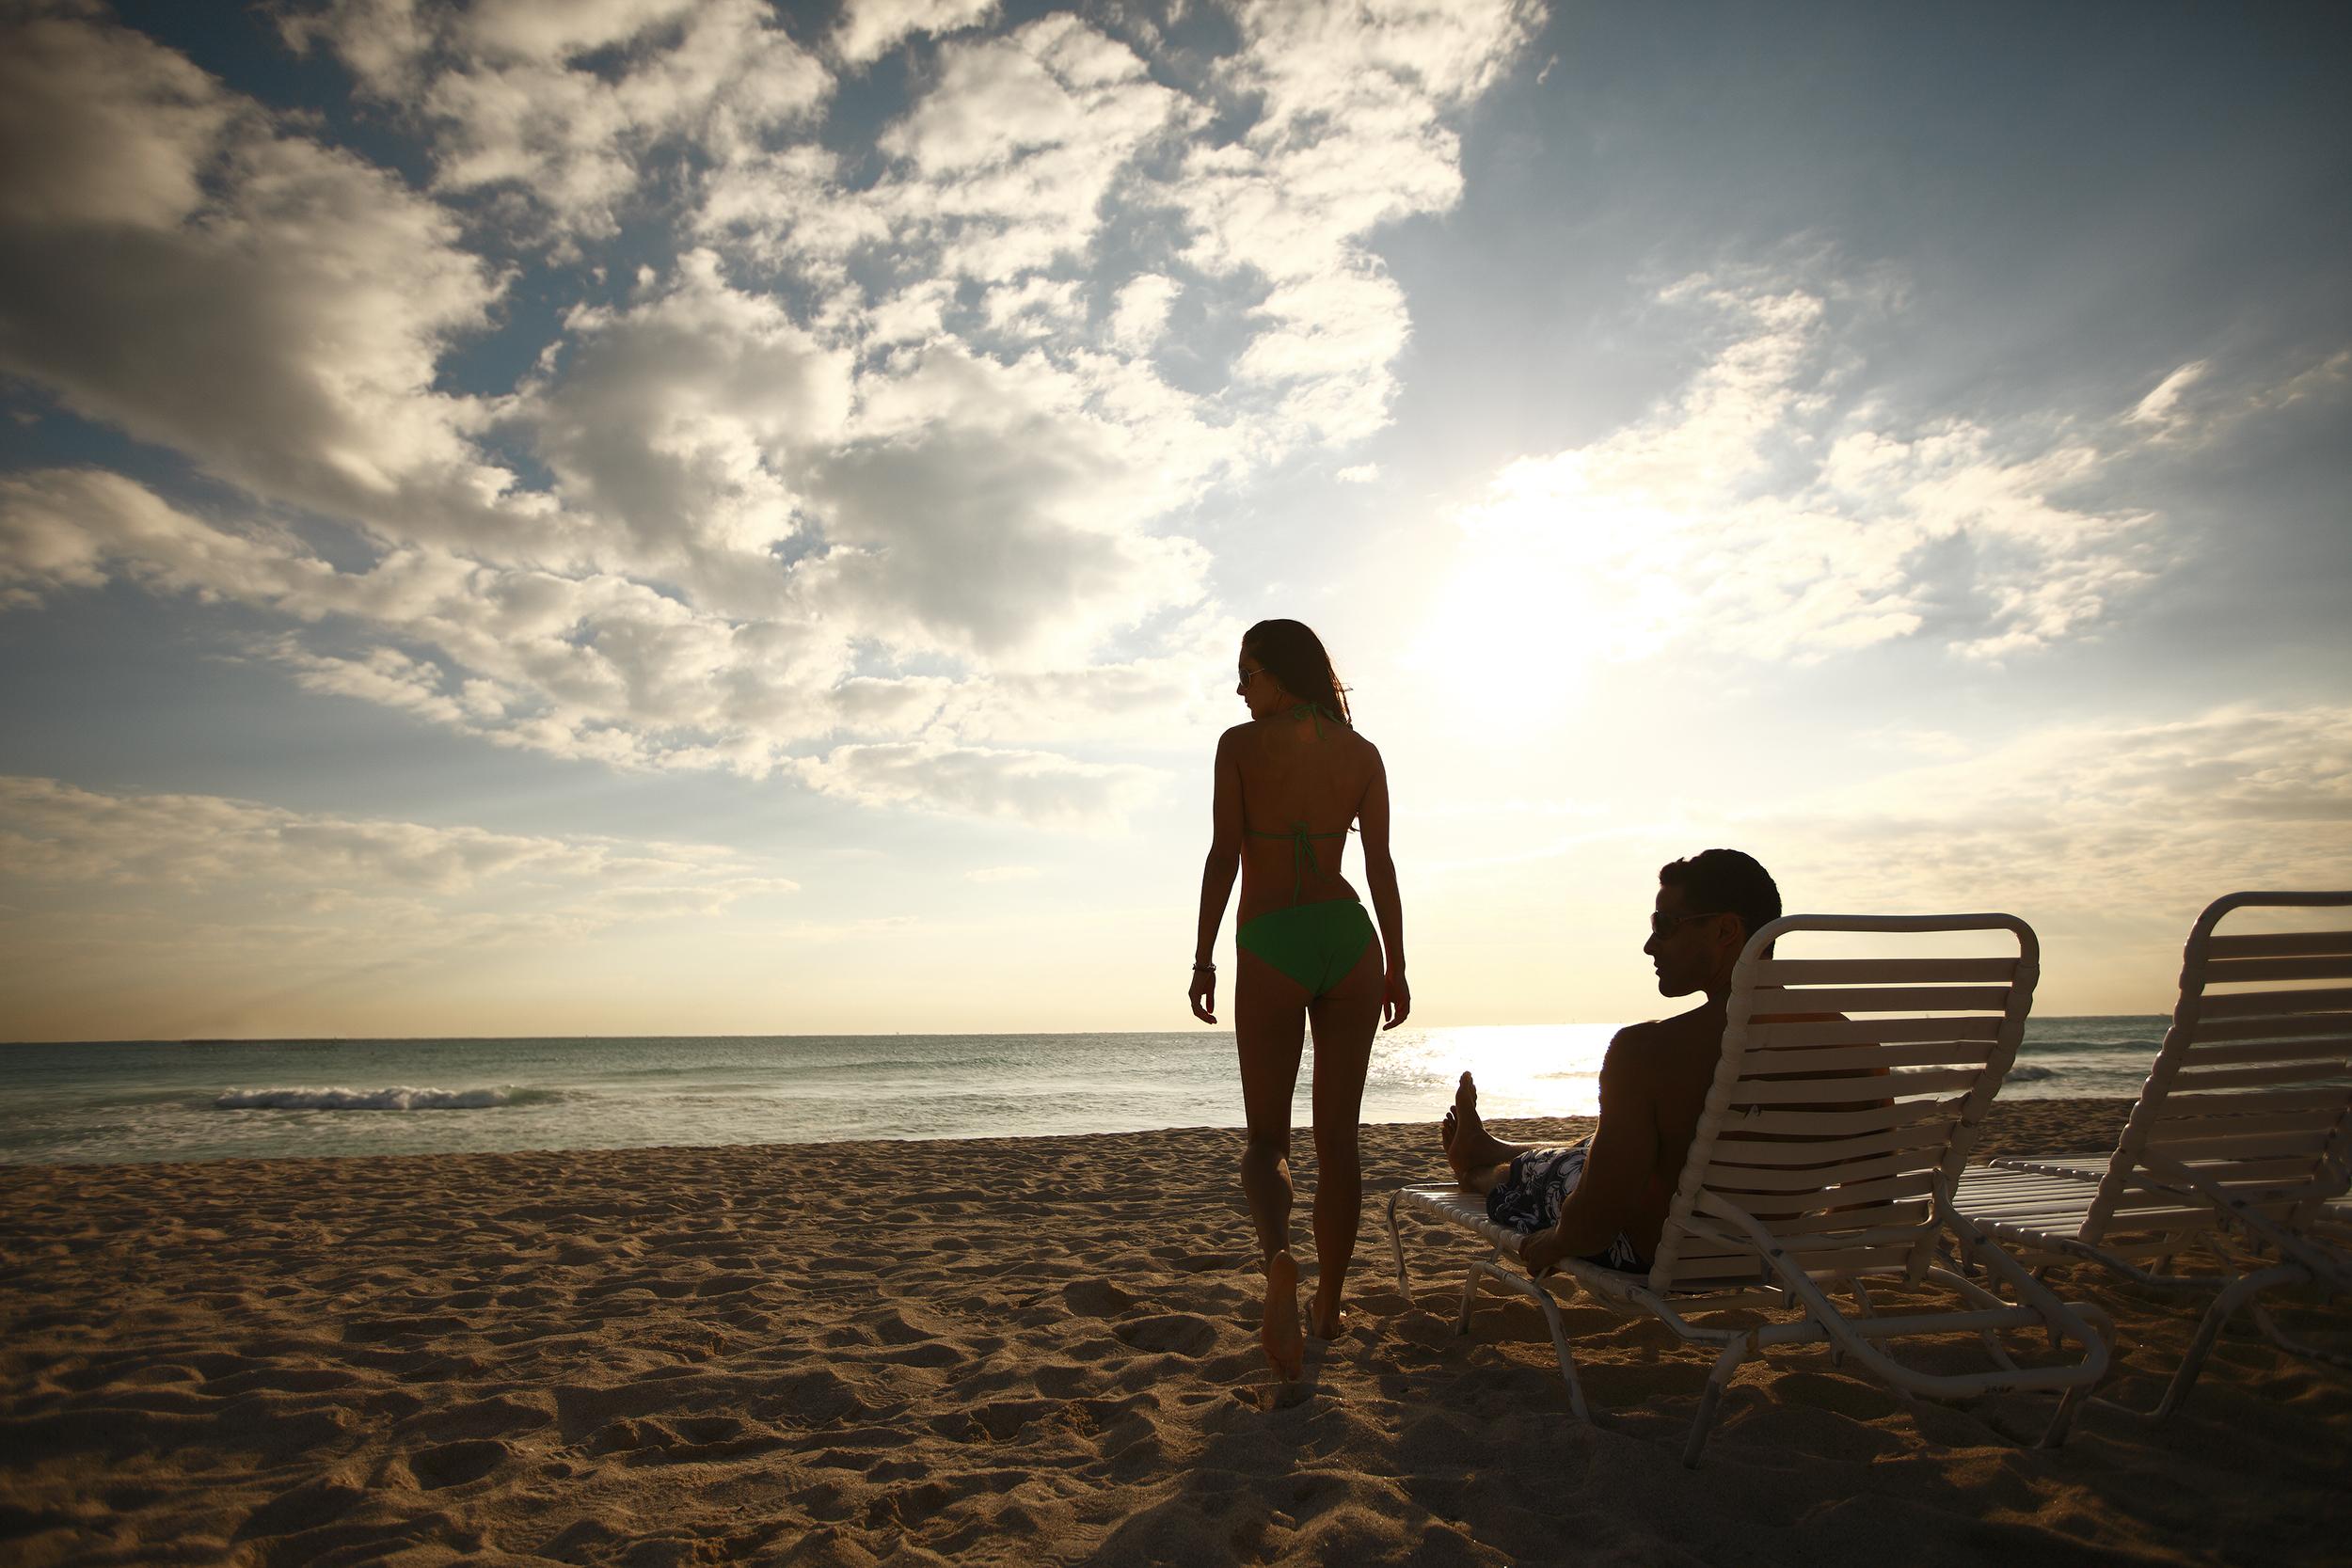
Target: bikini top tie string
{"points": [[1302, 852], [1302, 841]]}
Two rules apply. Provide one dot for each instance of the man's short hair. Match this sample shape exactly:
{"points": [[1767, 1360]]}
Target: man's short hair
{"points": [[1724, 881]]}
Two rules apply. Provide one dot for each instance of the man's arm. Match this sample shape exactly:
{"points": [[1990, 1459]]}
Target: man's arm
{"points": [[1608, 1196]]}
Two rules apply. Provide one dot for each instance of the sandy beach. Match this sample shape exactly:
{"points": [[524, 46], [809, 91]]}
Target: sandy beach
{"points": [[1035, 1350]]}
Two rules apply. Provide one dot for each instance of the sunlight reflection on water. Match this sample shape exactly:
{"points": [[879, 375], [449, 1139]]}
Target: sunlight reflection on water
{"points": [[1535, 1069]]}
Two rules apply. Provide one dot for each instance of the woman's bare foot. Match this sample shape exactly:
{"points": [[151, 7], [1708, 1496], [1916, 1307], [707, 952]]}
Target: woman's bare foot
{"points": [[1285, 1347], [1325, 1320]]}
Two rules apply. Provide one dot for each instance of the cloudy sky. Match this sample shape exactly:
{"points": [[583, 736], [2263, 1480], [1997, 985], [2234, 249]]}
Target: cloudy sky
{"points": [[549, 517]]}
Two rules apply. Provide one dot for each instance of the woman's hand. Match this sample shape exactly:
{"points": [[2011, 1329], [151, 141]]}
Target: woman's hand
{"points": [[1396, 998], [1204, 993], [1541, 1252]]}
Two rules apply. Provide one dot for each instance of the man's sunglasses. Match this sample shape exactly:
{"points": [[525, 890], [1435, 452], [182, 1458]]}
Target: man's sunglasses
{"points": [[1662, 924]]}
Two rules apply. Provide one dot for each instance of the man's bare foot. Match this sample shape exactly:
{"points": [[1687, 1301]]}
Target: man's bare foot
{"points": [[1463, 1130], [1470, 1148], [1325, 1320], [1285, 1347]]}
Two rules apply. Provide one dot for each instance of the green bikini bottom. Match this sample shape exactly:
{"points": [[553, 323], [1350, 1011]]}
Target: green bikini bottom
{"points": [[1315, 944]]}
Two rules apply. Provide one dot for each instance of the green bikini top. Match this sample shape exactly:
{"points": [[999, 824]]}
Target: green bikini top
{"points": [[1302, 841]]}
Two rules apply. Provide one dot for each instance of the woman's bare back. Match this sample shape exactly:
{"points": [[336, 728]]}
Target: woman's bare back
{"points": [[1292, 777]]}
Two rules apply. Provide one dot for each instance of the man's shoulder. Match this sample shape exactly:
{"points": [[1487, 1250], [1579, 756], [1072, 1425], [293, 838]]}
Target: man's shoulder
{"points": [[1663, 1049], [1701, 1025], [1638, 1048]]}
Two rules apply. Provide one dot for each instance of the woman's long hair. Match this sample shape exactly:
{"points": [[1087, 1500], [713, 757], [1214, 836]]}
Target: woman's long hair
{"points": [[1296, 657]]}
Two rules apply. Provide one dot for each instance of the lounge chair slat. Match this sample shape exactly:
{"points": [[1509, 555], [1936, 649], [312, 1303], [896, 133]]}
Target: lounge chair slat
{"points": [[2317, 1123], [1915, 1211], [2339, 1047], [1884, 999], [1815, 972], [1852, 1058], [2193, 1076], [1815, 1124], [2288, 1028], [1835, 1091], [2280, 944], [2225, 1103], [1872, 1031], [1827, 1263], [2230, 971], [1735, 1176], [2271, 1004], [1911, 1185], [1814, 1153]]}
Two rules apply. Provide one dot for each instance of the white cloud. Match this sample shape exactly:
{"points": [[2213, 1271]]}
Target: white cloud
{"points": [[273, 308], [2128, 819], [990, 874], [68, 155], [2157, 407], [677, 418], [870, 28], [1352, 134], [1140, 314], [1358, 473], [2196, 405], [529, 97], [54, 834], [1765, 512], [1006, 159], [1036, 787], [201, 910], [940, 440]]}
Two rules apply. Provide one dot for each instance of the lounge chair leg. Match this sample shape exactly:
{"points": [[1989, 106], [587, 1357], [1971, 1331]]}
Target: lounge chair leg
{"points": [[2325, 1355], [1470, 1297], [2216, 1317], [1567, 1361], [1396, 1243], [2063, 1422], [1725, 1364]]}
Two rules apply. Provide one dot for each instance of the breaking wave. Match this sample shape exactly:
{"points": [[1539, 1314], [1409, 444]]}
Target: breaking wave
{"points": [[398, 1098], [2029, 1073]]}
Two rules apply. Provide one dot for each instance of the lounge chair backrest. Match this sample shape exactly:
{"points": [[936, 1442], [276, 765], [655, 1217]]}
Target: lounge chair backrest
{"points": [[2252, 1089], [1833, 1133]]}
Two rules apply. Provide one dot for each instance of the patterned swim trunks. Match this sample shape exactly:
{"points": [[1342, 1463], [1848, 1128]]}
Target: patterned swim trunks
{"points": [[1527, 1199]]}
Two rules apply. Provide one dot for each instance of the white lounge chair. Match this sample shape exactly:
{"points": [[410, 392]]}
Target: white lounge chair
{"points": [[1841, 1175], [2241, 1140]]}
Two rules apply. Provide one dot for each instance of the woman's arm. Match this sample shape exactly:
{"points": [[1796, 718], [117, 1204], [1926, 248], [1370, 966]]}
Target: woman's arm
{"points": [[1216, 878], [1388, 909]]}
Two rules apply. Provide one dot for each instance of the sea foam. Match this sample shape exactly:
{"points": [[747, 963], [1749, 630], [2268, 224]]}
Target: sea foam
{"points": [[373, 1099]]}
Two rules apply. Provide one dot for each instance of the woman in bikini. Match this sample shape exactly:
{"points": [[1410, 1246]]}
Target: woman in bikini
{"points": [[1289, 785]]}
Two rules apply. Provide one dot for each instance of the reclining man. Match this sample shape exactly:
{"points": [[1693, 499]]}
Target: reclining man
{"points": [[1605, 1200]]}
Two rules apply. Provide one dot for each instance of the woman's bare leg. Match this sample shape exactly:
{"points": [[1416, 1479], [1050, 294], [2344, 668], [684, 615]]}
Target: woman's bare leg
{"points": [[1269, 1030], [1346, 1018]]}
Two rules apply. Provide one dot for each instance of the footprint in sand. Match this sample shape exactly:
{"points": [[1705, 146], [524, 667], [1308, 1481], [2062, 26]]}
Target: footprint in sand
{"points": [[1095, 1298], [455, 1464], [1173, 1334]]}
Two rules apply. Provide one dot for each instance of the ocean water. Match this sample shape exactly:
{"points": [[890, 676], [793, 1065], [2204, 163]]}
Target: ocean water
{"points": [[214, 1100]]}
